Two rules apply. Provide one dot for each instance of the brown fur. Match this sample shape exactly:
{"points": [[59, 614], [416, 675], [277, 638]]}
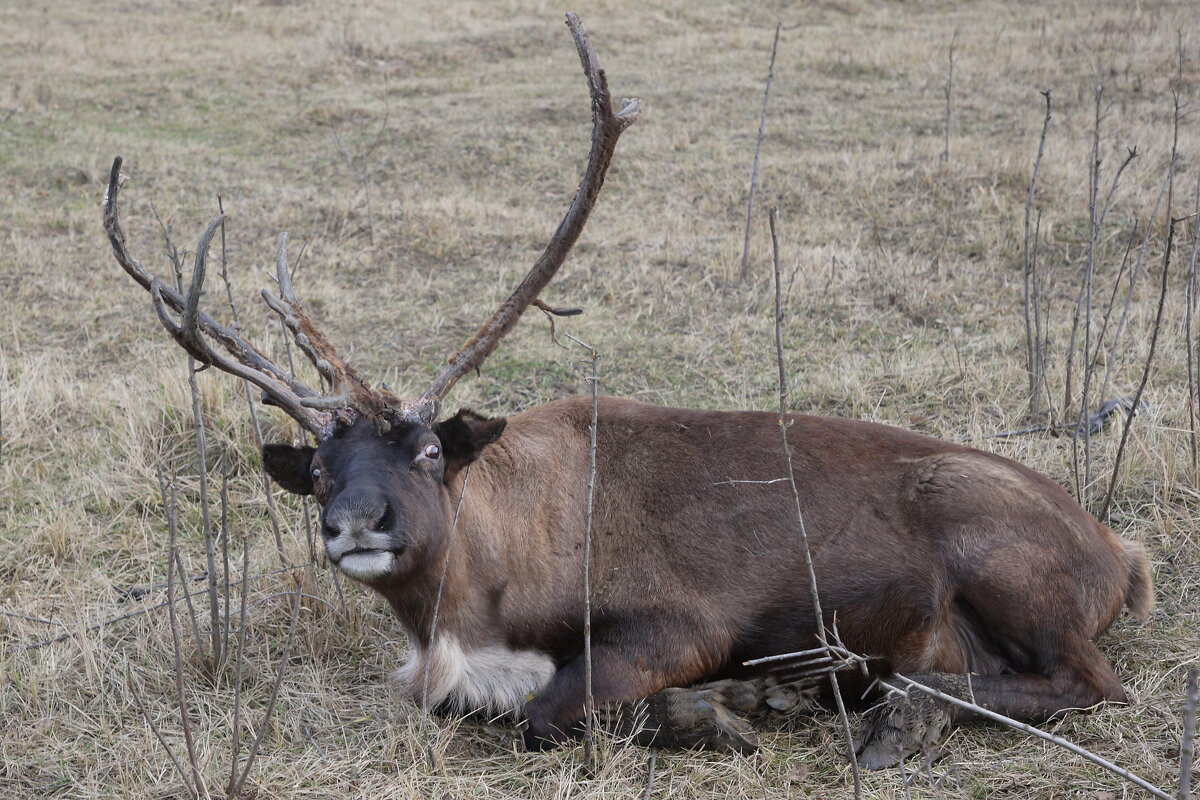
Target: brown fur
{"points": [[933, 556]]}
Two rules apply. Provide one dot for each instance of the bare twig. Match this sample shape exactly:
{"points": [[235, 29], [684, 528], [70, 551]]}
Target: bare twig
{"points": [[180, 695], [787, 455], [949, 94], [1033, 352], [272, 512], [136, 691], [15, 615], [907, 684], [762, 127], [1189, 338], [236, 747], [589, 702], [1137, 397], [1114, 352], [236, 789], [651, 765]]}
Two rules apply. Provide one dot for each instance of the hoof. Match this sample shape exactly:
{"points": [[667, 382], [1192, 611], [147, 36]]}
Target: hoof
{"points": [[700, 718], [899, 727]]}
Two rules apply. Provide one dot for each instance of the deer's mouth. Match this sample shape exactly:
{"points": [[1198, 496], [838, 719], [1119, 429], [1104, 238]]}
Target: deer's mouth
{"points": [[367, 564]]}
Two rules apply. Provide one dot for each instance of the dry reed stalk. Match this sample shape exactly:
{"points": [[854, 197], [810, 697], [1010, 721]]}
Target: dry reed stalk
{"points": [[787, 456], [762, 127]]}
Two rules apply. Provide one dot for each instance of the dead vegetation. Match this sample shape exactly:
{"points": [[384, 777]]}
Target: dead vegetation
{"points": [[417, 152]]}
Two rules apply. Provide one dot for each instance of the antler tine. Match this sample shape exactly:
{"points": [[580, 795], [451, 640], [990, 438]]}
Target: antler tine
{"points": [[188, 334], [196, 331], [346, 388], [606, 129], [244, 352]]}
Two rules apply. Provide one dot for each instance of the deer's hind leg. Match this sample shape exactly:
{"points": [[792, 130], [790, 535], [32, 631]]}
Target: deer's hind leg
{"points": [[1024, 654]]}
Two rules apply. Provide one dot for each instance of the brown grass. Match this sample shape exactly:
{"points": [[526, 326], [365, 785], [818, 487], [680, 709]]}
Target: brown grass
{"points": [[902, 279]]}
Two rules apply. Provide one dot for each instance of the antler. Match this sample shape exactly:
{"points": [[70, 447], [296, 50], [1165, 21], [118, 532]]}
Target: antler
{"points": [[606, 129], [196, 331]]}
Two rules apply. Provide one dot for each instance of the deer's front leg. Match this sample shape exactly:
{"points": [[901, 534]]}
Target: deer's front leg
{"points": [[632, 696]]}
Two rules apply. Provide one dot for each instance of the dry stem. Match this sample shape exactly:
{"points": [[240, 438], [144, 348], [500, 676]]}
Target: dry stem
{"points": [[787, 456], [762, 127]]}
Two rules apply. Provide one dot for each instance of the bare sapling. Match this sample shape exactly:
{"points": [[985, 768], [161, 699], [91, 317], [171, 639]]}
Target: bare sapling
{"points": [[236, 786], [1097, 212]]}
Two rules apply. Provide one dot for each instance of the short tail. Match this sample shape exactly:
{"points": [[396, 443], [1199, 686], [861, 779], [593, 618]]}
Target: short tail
{"points": [[1139, 596]]}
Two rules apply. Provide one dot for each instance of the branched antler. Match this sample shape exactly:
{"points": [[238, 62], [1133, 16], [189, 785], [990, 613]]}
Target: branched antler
{"points": [[349, 396], [606, 129]]}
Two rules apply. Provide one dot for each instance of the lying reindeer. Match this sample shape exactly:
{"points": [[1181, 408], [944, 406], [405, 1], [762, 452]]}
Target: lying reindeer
{"points": [[939, 560]]}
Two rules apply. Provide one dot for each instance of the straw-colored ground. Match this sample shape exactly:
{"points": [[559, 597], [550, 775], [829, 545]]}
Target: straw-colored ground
{"points": [[466, 125]]}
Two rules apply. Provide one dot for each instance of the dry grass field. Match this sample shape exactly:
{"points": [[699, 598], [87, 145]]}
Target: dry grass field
{"points": [[423, 152]]}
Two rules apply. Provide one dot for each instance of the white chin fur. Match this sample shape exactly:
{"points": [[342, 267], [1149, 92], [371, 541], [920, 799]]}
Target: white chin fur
{"points": [[367, 566]]}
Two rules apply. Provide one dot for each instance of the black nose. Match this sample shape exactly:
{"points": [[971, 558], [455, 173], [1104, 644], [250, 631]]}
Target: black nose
{"points": [[386, 519]]}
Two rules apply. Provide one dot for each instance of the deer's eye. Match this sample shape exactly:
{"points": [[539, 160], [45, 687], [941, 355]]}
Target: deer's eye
{"points": [[316, 474], [432, 451]]}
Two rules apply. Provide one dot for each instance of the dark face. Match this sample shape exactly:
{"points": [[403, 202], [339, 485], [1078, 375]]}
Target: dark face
{"points": [[385, 509]]}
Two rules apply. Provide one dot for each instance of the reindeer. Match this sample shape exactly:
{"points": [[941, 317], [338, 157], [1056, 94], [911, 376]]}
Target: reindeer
{"points": [[933, 558]]}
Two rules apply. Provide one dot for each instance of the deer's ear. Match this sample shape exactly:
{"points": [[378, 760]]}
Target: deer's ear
{"points": [[464, 436], [291, 467]]}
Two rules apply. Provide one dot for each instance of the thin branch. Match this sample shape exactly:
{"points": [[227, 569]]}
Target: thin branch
{"points": [[437, 609], [762, 127], [236, 789], [272, 512], [787, 455], [136, 691], [651, 764], [235, 748], [949, 94], [1024, 727], [180, 695], [1033, 363], [1137, 397]]}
